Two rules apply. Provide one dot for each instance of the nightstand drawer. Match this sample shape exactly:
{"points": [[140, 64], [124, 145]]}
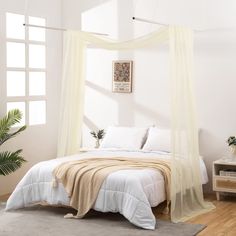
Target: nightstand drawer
{"points": [[225, 184]]}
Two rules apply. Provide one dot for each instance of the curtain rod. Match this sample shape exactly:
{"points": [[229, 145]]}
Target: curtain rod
{"points": [[148, 21], [60, 29], [158, 23]]}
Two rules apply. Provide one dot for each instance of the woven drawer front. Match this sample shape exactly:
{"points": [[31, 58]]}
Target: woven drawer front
{"points": [[230, 184]]}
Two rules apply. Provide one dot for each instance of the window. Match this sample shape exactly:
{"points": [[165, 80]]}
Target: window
{"points": [[26, 68]]}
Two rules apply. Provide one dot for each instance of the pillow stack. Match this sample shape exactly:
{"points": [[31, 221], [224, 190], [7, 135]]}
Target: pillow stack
{"points": [[134, 138]]}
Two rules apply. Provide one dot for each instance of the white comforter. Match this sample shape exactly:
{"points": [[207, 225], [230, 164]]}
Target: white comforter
{"points": [[132, 193]]}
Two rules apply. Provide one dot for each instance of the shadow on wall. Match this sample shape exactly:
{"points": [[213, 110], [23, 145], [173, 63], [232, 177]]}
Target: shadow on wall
{"points": [[126, 109], [90, 124]]}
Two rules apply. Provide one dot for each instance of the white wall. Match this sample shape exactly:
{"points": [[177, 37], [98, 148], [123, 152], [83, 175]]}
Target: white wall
{"points": [[38, 142], [215, 56]]}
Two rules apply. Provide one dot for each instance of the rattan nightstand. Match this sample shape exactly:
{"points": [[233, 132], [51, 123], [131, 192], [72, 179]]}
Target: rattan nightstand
{"points": [[224, 177]]}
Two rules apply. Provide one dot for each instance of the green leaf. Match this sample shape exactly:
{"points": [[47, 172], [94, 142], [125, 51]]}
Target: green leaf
{"points": [[7, 136], [10, 162], [100, 134], [93, 134], [13, 117], [231, 140]]}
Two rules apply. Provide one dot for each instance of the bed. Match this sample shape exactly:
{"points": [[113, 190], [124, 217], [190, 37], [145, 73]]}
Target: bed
{"points": [[132, 193]]}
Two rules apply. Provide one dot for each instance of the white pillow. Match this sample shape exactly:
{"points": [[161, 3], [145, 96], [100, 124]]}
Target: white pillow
{"points": [[158, 140], [124, 138]]}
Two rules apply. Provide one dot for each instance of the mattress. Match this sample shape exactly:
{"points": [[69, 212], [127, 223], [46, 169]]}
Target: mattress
{"points": [[132, 193]]}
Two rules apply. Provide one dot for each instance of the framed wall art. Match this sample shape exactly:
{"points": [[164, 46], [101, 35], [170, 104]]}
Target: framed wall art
{"points": [[122, 76]]}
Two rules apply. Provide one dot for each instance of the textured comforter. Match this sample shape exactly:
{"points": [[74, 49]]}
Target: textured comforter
{"points": [[129, 192]]}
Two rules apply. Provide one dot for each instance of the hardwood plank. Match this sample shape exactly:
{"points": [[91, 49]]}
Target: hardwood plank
{"points": [[4, 198]]}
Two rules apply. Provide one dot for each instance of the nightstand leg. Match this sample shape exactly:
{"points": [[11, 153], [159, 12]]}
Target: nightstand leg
{"points": [[218, 196]]}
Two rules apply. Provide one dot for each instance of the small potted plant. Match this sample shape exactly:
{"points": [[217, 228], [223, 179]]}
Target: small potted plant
{"points": [[232, 144], [98, 136]]}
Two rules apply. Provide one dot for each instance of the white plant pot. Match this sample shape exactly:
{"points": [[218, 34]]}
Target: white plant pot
{"points": [[97, 144], [233, 149]]}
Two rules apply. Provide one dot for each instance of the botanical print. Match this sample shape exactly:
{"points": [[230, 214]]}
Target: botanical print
{"points": [[122, 76], [122, 72]]}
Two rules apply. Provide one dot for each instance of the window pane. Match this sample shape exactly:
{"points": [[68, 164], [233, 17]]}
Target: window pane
{"points": [[15, 28], [36, 34], [16, 55], [21, 107], [37, 83], [37, 58], [15, 83], [37, 112]]}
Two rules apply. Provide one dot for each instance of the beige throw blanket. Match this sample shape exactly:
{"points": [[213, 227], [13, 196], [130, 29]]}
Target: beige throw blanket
{"points": [[83, 179]]}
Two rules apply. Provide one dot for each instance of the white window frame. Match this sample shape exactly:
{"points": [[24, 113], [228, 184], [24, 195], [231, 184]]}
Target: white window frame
{"points": [[27, 98]]}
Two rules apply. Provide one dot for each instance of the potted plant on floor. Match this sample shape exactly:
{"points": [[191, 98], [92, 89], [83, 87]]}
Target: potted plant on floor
{"points": [[10, 161]]}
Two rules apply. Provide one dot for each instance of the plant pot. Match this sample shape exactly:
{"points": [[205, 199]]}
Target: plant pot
{"points": [[233, 151], [97, 144]]}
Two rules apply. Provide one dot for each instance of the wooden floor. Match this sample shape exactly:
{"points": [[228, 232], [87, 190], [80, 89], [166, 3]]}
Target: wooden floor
{"points": [[4, 197], [220, 222]]}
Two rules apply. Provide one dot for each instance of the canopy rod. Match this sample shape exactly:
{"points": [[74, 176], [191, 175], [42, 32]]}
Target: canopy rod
{"points": [[155, 22], [148, 21], [60, 29], [158, 23]]}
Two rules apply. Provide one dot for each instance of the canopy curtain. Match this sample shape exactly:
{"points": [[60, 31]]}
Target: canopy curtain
{"points": [[186, 185], [186, 189], [72, 95]]}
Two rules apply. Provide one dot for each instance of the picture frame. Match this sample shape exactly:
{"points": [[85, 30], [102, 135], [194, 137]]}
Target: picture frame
{"points": [[122, 73]]}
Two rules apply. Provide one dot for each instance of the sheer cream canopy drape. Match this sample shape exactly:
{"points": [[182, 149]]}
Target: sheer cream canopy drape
{"points": [[186, 189]]}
